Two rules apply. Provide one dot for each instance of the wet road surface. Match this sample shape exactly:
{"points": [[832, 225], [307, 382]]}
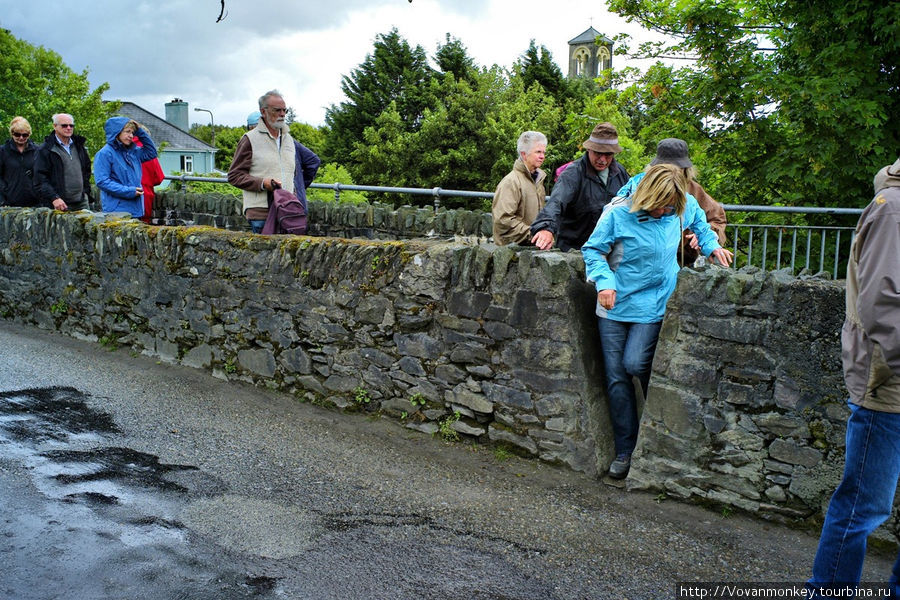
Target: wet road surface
{"points": [[124, 478]]}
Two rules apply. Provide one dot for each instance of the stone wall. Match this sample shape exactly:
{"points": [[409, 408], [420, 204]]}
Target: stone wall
{"points": [[495, 344], [371, 221], [746, 407]]}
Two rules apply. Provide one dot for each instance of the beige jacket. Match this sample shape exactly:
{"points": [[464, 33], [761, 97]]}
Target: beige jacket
{"points": [[517, 201], [258, 157], [870, 338]]}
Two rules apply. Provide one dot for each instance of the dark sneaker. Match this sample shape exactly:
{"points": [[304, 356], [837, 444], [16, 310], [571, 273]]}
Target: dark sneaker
{"points": [[619, 467]]}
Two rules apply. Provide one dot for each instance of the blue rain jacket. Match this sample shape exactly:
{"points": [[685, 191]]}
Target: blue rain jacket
{"points": [[117, 169], [646, 276]]}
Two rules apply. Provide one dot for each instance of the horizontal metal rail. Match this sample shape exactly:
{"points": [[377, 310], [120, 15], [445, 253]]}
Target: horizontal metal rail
{"points": [[437, 193]]}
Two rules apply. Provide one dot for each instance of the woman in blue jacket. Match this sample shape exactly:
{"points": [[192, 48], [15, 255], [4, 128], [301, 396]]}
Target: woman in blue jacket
{"points": [[117, 166], [631, 298]]}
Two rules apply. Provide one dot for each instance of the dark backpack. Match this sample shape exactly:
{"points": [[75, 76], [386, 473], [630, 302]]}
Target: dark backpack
{"points": [[286, 214]]}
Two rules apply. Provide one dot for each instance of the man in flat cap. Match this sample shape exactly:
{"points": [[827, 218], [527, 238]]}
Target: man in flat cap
{"points": [[582, 191]]}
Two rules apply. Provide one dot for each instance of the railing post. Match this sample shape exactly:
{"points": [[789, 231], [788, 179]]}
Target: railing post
{"points": [[437, 198], [337, 192]]}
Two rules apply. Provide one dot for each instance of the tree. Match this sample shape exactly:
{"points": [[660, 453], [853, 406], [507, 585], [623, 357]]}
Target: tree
{"points": [[536, 66], [227, 140], [794, 99], [35, 83], [453, 58], [311, 137], [394, 72]]}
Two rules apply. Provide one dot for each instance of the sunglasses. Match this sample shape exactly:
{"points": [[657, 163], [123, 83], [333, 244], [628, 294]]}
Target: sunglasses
{"points": [[16, 134], [66, 125]]}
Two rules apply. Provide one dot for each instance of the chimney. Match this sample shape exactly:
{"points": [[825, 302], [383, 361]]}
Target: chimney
{"points": [[177, 113]]}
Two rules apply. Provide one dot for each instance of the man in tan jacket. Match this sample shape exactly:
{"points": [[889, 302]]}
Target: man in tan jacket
{"points": [[264, 160], [520, 195], [870, 342]]}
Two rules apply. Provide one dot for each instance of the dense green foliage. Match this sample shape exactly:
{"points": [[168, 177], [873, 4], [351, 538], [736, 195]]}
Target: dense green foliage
{"points": [[35, 83], [783, 102], [332, 173], [453, 127], [394, 73]]}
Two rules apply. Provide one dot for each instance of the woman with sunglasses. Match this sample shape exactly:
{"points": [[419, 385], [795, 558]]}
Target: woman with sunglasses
{"points": [[632, 295], [17, 166]]}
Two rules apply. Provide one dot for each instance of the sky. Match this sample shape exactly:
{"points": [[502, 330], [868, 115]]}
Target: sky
{"points": [[150, 52]]}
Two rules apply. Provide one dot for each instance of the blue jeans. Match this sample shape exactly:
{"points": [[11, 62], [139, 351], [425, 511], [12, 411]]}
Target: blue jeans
{"points": [[862, 501], [256, 226], [627, 352]]}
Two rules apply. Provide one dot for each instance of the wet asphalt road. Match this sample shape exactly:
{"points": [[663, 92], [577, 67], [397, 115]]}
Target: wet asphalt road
{"points": [[124, 478]]}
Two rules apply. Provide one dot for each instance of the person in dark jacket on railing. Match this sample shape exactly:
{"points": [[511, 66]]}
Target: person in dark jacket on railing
{"points": [[62, 168], [583, 189], [17, 166]]}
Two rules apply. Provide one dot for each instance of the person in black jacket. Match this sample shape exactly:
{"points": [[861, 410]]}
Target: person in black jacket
{"points": [[62, 168], [17, 166], [583, 189]]}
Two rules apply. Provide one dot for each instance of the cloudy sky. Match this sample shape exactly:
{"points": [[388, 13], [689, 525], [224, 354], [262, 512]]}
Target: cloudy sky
{"points": [[153, 51]]}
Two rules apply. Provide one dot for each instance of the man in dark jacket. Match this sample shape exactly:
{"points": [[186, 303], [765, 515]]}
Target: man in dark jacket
{"points": [[62, 168], [582, 191]]}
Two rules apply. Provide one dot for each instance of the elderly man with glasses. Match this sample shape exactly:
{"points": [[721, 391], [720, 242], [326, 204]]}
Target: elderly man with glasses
{"points": [[62, 168], [264, 160]]}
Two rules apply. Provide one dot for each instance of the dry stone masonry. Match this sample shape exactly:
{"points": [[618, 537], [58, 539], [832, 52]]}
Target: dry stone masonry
{"points": [[746, 407]]}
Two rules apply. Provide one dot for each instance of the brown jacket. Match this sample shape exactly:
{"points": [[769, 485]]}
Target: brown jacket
{"points": [[715, 216], [870, 338], [517, 201]]}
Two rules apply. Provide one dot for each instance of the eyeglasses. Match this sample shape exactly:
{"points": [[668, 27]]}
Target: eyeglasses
{"points": [[16, 134], [668, 210], [66, 125]]}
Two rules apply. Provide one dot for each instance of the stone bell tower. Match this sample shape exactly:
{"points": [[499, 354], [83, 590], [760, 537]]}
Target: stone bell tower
{"points": [[589, 53]]}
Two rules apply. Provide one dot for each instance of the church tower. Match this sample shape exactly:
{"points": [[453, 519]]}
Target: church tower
{"points": [[589, 53]]}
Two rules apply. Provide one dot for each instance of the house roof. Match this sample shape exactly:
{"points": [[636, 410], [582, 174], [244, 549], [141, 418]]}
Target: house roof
{"points": [[588, 37], [163, 131]]}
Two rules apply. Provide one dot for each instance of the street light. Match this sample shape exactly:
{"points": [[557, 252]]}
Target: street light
{"points": [[212, 127]]}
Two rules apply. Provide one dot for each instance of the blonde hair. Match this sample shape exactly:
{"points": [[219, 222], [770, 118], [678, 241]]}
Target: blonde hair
{"points": [[662, 185], [19, 124]]}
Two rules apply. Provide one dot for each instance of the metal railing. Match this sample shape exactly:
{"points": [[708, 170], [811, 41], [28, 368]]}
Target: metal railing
{"points": [[813, 248], [437, 193]]}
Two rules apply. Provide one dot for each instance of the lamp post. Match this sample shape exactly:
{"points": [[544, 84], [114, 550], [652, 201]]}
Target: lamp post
{"points": [[212, 126]]}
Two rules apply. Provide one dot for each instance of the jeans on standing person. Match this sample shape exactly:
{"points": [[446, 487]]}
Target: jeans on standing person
{"points": [[256, 226], [627, 352], [863, 500]]}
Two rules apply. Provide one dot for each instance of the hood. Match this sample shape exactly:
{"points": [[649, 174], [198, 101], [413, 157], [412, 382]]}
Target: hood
{"points": [[113, 128], [888, 176]]}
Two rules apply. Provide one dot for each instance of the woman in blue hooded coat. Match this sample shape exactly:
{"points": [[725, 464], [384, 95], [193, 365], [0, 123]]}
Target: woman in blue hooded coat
{"points": [[117, 166], [632, 295]]}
